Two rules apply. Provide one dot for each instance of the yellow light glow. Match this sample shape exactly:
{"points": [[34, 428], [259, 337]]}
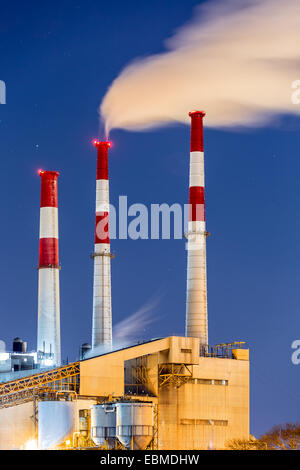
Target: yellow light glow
{"points": [[68, 442], [31, 445]]}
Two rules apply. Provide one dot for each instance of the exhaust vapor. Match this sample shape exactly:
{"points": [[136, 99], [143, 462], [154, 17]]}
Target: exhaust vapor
{"points": [[127, 331], [134, 326], [237, 59]]}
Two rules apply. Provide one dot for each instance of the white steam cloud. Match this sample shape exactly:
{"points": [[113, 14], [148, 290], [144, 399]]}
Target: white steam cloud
{"points": [[236, 59], [127, 331], [135, 325]]}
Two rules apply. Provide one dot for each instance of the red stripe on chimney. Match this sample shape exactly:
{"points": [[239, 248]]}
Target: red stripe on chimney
{"points": [[102, 160], [197, 131], [49, 188], [196, 204], [102, 227], [48, 253]]}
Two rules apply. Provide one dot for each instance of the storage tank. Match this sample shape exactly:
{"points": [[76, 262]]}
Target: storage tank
{"points": [[56, 421], [103, 424], [135, 422], [84, 417], [19, 345]]}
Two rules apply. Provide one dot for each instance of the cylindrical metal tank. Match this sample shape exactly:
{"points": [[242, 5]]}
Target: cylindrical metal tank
{"points": [[56, 423], [135, 422], [17, 345], [103, 424], [84, 417]]}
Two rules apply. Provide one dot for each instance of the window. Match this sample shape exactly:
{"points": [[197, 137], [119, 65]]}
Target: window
{"points": [[186, 351], [204, 422], [220, 422], [221, 382], [211, 382], [191, 381], [205, 381]]}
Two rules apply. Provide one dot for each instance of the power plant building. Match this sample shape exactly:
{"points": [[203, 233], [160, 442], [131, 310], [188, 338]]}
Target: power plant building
{"points": [[197, 401], [173, 393]]}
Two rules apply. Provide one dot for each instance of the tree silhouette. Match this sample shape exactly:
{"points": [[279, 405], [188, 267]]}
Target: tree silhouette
{"points": [[280, 437]]}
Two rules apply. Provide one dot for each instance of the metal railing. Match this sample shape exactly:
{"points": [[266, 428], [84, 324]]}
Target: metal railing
{"points": [[223, 350]]}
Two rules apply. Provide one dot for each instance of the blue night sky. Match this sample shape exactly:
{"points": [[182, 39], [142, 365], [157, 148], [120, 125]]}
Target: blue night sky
{"points": [[58, 59]]}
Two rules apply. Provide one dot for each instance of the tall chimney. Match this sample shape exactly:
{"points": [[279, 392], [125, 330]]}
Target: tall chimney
{"points": [[48, 301], [196, 295], [102, 322]]}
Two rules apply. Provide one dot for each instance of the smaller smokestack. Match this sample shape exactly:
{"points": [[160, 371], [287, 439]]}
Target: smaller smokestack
{"points": [[196, 296], [84, 350], [49, 300], [102, 321]]}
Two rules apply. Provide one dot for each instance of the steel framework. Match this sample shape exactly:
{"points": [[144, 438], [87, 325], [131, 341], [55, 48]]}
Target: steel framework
{"points": [[139, 378], [176, 374], [62, 379]]}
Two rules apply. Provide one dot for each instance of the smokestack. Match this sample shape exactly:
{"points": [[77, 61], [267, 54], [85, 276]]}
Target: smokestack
{"points": [[102, 322], [196, 296], [48, 302]]}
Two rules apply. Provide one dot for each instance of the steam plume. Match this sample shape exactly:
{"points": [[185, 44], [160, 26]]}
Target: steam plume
{"points": [[236, 59], [127, 331], [135, 325]]}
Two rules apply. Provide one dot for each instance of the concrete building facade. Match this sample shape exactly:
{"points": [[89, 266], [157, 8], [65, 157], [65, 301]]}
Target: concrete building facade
{"points": [[201, 401]]}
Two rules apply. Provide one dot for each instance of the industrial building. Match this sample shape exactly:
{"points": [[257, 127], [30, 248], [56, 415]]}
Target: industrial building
{"points": [[173, 393], [198, 400]]}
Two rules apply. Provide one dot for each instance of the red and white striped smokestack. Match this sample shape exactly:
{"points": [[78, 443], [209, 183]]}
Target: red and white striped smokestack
{"points": [[48, 301], [102, 321], [196, 296]]}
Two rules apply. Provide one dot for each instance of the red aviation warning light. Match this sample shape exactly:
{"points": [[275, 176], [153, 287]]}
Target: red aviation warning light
{"points": [[98, 143]]}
